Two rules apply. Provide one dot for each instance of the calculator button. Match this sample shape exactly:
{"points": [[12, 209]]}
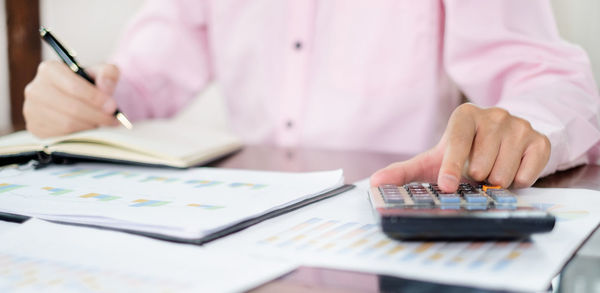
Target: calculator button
{"points": [[391, 192], [465, 186], [501, 198], [419, 192], [488, 187], [424, 198], [393, 200], [389, 189], [475, 198], [449, 198]]}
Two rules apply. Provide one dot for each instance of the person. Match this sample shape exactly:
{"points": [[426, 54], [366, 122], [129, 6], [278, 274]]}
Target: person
{"points": [[383, 76]]}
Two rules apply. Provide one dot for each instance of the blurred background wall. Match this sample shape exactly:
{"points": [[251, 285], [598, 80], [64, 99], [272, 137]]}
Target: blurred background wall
{"points": [[92, 27], [579, 22], [4, 93]]}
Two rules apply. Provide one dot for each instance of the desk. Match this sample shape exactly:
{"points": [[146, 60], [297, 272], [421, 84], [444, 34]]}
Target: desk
{"points": [[357, 165], [581, 270]]}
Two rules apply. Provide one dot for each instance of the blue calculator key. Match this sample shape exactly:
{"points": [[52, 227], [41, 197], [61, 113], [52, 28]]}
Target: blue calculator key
{"points": [[449, 198], [504, 198], [475, 198]]}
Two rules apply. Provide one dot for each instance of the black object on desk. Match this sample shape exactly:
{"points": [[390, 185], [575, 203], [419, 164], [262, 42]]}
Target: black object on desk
{"points": [[422, 211], [69, 59]]}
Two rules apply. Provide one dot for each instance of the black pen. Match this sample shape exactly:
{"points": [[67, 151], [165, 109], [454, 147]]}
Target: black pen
{"points": [[69, 59]]}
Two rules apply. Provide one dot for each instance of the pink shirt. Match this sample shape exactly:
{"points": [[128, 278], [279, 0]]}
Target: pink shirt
{"points": [[379, 75]]}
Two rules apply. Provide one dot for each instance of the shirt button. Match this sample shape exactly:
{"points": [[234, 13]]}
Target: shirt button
{"points": [[298, 45], [289, 124]]}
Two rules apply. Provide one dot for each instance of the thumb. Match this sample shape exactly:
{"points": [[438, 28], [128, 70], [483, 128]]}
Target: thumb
{"points": [[423, 167], [106, 77]]}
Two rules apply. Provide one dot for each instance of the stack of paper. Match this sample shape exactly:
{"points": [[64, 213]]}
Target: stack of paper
{"points": [[342, 233], [45, 257], [183, 204]]}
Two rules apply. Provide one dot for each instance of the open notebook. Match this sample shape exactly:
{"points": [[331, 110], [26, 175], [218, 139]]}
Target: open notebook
{"points": [[193, 205], [161, 142]]}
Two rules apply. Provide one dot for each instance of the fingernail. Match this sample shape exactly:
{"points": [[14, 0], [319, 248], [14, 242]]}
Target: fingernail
{"points": [[447, 180], [109, 106]]}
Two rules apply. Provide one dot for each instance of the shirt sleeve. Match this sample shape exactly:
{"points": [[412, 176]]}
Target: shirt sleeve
{"points": [[508, 53], [163, 58]]}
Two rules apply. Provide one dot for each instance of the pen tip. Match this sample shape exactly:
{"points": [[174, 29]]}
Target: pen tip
{"points": [[124, 121]]}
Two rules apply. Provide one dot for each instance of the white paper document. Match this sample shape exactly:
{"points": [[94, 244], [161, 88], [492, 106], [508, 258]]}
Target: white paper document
{"points": [[186, 204], [44, 257], [341, 233]]}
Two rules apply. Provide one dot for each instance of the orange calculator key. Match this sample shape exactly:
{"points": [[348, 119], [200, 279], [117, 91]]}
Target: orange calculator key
{"points": [[486, 187]]}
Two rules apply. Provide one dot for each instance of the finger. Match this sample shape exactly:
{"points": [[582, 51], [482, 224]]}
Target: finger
{"points": [[483, 154], [106, 76], [534, 161], [41, 130], [59, 75], [458, 137], [422, 167], [507, 163], [48, 122], [71, 107]]}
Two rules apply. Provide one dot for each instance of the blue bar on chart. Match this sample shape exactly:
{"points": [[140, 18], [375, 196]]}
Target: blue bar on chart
{"points": [[203, 183], [205, 206], [57, 191], [74, 173], [249, 185], [5, 187], [159, 179], [101, 197], [114, 173], [148, 203]]}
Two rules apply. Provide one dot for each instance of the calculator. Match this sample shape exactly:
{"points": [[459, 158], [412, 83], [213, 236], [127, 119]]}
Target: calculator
{"points": [[475, 211]]}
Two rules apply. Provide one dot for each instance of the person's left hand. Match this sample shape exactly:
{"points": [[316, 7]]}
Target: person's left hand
{"points": [[482, 144]]}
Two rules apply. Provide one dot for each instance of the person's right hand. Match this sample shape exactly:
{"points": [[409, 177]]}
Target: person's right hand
{"points": [[59, 102]]}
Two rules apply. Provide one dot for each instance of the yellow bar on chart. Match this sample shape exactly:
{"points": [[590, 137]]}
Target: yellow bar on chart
{"points": [[90, 195]]}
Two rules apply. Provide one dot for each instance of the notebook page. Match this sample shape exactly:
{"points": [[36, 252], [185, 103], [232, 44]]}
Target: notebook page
{"points": [[163, 139]]}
